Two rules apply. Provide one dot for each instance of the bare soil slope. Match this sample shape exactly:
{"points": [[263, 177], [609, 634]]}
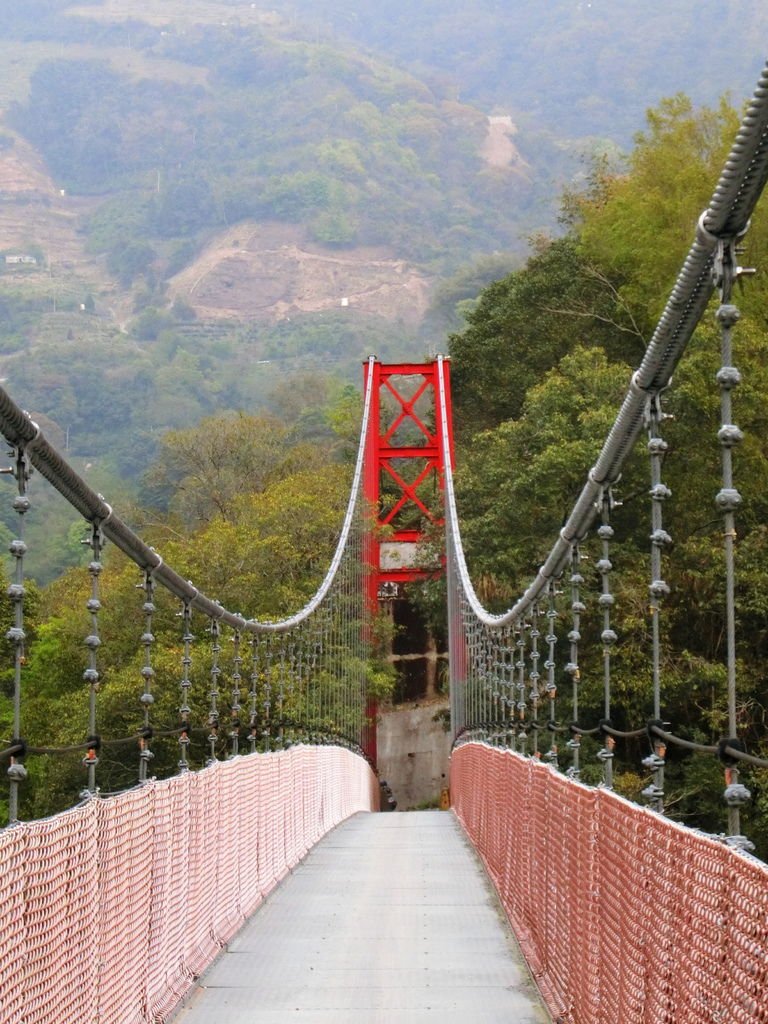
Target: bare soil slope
{"points": [[249, 271], [34, 214], [498, 149], [271, 271]]}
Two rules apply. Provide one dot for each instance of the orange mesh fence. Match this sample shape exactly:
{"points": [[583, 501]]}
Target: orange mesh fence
{"points": [[109, 911], [12, 856], [59, 871], [623, 915]]}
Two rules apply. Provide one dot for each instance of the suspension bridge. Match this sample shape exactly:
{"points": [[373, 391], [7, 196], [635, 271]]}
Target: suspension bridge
{"points": [[111, 911]]}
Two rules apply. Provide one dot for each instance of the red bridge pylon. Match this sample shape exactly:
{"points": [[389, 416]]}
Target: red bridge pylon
{"points": [[403, 485]]}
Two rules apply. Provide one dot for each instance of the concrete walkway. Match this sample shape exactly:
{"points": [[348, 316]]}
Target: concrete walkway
{"points": [[389, 920]]}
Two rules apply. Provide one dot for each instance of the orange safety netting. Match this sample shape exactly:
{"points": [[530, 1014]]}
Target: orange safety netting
{"points": [[109, 911], [623, 915]]}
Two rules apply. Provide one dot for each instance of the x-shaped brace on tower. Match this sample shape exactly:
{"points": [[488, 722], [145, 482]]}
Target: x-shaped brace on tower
{"points": [[395, 554]]}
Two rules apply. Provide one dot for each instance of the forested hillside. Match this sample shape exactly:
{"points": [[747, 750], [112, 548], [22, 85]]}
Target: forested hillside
{"points": [[573, 68], [192, 210]]}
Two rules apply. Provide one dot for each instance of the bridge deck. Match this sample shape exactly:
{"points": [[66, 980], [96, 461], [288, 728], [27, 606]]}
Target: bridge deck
{"points": [[389, 919]]}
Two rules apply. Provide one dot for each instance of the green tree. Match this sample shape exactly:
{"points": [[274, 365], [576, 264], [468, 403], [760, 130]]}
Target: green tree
{"points": [[201, 471], [524, 324], [517, 482], [128, 260], [184, 207], [292, 522], [638, 225]]}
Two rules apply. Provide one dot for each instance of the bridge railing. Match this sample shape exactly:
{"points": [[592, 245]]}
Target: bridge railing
{"points": [[622, 915], [111, 910]]}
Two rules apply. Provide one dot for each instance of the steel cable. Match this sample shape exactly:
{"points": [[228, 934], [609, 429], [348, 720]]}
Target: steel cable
{"points": [[22, 432]]}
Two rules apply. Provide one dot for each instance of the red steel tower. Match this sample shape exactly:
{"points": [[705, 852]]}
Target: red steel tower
{"points": [[403, 482]]}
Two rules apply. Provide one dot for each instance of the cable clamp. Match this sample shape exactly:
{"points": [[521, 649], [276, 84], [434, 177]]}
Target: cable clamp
{"points": [[21, 748], [105, 519], [26, 446], [722, 751], [635, 386], [91, 758], [652, 725], [703, 235]]}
